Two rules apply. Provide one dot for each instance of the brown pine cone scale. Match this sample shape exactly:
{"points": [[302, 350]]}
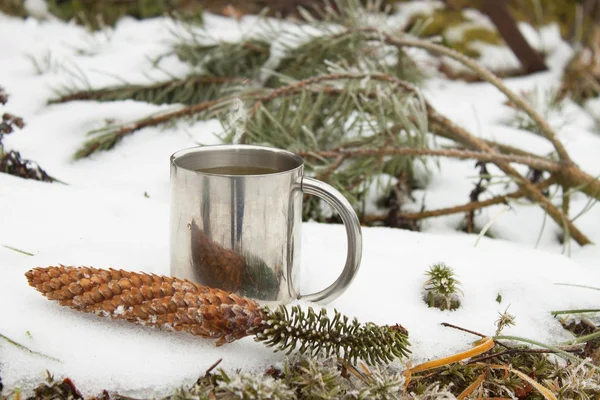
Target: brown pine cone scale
{"points": [[148, 299]]}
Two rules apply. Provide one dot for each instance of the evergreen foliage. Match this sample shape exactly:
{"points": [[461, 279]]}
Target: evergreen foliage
{"points": [[340, 91], [329, 378], [312, 333], [325, 115], [442, 287], [192, 89], [225, 59]]}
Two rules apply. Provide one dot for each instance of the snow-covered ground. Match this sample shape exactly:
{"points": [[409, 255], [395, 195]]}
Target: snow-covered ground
{"points": [[114, 213]]}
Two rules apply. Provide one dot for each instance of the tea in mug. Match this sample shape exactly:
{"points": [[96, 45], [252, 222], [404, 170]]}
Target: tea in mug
{"points": [[239, 170]]}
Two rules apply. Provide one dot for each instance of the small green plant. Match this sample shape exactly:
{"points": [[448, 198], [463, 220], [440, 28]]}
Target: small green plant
{"points": [[575, 381], [442, 288], [315, 333], [505, 319]]}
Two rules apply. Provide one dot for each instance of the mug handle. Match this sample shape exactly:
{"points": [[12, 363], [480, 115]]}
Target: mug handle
{"points": [[353, 232]]}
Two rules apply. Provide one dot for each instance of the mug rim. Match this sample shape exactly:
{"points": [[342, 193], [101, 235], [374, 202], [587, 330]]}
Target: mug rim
{"points": [[299, 161]]}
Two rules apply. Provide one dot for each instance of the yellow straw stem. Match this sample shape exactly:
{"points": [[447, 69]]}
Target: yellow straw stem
{"points": [[472, 387], [483, 345]]}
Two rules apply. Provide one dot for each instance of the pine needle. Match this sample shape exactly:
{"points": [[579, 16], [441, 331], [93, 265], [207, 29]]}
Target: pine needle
{"points": [[17, 250], [27, 349], [225, 59], [190, 90]]}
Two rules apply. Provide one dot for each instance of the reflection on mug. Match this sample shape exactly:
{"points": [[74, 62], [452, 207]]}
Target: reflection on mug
{"points": [[221, 268]]}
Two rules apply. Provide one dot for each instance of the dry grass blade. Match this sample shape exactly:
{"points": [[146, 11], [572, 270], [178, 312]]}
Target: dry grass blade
{"points": [[544, 391], [27, 349], [472, 387]]}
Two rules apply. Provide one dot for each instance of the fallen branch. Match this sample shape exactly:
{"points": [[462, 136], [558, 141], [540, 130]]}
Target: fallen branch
{"points": [[530, 190], [567, 173], [536, 163], [570, 174], [545, 129], [111, 136], [464, 208]]}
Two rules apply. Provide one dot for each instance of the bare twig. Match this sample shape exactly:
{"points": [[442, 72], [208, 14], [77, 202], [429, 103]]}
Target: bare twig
{"points": [[522, 104], [467, 207], [448, 325], [572, 349], [536, 163], [530, 190]]}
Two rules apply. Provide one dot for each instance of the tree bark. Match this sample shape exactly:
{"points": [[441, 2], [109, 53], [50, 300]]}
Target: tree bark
{"points": [[498, 12]]}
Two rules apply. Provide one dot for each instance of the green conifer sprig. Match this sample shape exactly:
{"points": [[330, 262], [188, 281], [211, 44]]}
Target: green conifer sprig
{"points": [[350, 48], [341, 110], [106, 138], [314, 333], [226, 59], [442, 288], [192, 89]]}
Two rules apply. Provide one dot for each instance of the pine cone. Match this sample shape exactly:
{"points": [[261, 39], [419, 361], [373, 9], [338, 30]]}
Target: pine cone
{"points": [[149, 299], [214, 265]]}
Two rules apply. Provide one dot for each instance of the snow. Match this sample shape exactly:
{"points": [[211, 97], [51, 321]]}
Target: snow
{"points": [[102, 218], [36, 8]]}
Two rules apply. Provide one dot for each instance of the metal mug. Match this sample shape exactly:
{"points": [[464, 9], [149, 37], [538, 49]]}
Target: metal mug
{"points": [[236, 218]]}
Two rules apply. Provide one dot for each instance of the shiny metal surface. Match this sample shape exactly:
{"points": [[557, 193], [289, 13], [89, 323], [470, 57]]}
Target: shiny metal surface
{"points": [[242, 233], [353, 232]]}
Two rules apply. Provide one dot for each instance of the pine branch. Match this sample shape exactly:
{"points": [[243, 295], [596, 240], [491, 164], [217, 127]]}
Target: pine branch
{"points": [[517, 100], [461, 135], [570, 175], [190, 90], [537, 163], [568, 172], [181, 305], [350, 48], [268, 125], [287, 329], [224, 59], [531, 191], [109, 137]]}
